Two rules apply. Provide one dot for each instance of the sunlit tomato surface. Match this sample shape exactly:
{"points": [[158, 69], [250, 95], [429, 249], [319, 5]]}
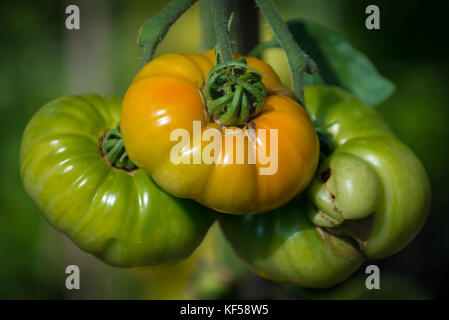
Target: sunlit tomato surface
{"points": [[166, 98]]}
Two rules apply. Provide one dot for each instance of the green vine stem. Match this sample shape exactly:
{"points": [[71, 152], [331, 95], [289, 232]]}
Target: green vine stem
{"points": [[299, 62], [244, 32], [221, 29], [114, 150], [155, 29]]}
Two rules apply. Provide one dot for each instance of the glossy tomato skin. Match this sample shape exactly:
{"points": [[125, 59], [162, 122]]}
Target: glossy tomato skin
{"points": [[283, 245], [369, 199], [123, 218], [166, 95], [397, 199]]}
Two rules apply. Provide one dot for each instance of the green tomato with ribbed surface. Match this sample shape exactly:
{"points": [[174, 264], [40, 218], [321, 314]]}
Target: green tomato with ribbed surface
{"points": [[369, 199], [116, 213], [283, 245]]}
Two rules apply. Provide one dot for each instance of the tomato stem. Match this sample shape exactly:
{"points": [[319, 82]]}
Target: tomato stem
{"points": [[154, 30], [114, 152], [234, 91], [245, 25], [299, 61], [221, 29]]}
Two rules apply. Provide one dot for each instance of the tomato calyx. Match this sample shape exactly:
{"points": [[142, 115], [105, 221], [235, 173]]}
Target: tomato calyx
{"points": [[233, 94], [113, 150]]}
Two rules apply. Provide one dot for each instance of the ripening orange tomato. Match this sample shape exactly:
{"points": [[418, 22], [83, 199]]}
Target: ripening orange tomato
{"points": [[246, 169]]}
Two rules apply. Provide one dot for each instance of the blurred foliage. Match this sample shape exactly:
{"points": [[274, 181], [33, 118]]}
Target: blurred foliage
{"points": [[38, 63]]}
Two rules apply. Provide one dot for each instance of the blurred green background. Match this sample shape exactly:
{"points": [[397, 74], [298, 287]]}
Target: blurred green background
{"points": [[40, 60]]}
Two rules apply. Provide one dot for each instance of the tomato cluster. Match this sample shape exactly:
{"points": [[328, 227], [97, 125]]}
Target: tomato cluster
{"points": [[344, 187]]}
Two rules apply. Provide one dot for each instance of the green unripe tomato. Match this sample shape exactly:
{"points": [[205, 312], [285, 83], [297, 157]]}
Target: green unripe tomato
{"points": [[370, 195], [375, 172], [121, 217], [283, 245]]}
